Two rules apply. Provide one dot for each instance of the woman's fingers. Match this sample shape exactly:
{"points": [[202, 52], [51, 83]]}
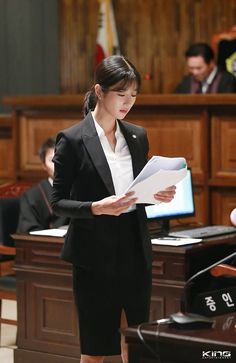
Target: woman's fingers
{"points": [[166, 195], [113, 205]]}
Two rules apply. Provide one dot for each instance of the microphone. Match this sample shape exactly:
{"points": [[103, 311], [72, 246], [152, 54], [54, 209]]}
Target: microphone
{"points": [[222, 300], [209, 268]]}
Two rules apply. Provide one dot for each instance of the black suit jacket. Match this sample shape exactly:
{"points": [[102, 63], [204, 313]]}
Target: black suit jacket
{"points": [[35, 210], [227, 84], [82, 175]]}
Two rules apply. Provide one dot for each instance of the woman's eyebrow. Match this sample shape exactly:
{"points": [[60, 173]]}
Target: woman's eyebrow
{"points": [[123, 90]]}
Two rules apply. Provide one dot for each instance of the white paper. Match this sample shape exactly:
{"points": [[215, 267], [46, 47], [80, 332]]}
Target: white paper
{"points": [[175, 241], [157, 175], [53, 232]]}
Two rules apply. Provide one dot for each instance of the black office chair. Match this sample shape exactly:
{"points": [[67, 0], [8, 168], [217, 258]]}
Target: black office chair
{"points": [[9, 213]]}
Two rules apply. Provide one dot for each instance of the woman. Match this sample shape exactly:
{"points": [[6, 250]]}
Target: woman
{"points": [[107, 240]]}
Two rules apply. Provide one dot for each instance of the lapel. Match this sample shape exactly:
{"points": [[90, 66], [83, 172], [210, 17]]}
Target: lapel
{"points": [[135, 148], [94, 148]]}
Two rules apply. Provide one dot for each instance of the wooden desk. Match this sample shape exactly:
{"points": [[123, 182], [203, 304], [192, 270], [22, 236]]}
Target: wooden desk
{"points": [[173, 266], [184, 346], [47, 322]]}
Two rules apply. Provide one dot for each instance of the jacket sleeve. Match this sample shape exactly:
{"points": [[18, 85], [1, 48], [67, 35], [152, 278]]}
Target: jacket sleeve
{"points": [[184, 86], [65, 163]]}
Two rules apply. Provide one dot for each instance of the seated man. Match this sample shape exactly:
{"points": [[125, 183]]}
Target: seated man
{"points": [[35, 209], [204, 76]]}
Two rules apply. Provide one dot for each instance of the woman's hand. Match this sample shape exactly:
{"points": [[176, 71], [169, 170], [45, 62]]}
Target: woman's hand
{"points": [[166, 195], [113, 205]]}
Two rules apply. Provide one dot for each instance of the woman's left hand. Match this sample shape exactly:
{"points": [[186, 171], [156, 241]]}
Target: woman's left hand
{"points": [[166, 195]]}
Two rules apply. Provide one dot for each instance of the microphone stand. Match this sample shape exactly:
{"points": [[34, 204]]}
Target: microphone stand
{"points": [[183, 316]]}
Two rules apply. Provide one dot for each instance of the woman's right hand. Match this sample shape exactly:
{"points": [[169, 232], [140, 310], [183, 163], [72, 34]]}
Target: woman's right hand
{"points": [[113, 205]]}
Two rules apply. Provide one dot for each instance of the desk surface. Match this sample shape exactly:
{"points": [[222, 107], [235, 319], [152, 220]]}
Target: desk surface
{"points": [[175, 344], [217, 240]]}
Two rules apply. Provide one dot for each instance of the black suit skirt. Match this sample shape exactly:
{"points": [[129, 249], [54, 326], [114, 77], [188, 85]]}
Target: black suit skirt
{"points": [[100, 297]]}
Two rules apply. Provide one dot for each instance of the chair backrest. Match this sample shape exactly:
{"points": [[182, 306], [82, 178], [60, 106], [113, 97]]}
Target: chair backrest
{"points": [[9, 214], [9, 209], [224, 46]]}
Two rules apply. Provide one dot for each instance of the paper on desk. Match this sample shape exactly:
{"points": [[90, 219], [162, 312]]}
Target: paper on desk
{"points": [[53, 232], [158, 174], [175, 242]]}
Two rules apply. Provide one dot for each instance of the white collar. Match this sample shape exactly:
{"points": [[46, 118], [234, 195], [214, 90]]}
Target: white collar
{"points": [[206, 83], [100, 130], [50, 180]]}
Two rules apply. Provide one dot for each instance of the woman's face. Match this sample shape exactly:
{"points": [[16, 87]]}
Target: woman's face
{"points": [[117, 102]]}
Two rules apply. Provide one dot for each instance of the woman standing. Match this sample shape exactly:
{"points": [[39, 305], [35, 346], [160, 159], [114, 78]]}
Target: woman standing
{"points": [[107, 241]]}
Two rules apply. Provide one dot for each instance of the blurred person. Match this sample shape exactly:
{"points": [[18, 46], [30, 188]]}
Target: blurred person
{"points": [[204, 75], [35, 208]]}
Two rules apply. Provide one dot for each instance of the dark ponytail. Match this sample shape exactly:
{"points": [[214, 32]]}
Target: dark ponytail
{"points": [[90, 100], [112, 73]]}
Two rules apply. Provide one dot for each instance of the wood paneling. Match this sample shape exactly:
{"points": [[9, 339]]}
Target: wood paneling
{"points": [[177, 125], [35, 129], [223, 202], [78, 29], [153, 34], [7, 147], [223, 146], [50, 45]]}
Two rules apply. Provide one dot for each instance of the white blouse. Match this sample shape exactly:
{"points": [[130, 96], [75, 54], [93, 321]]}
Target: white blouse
{"points": [[119, 160]]}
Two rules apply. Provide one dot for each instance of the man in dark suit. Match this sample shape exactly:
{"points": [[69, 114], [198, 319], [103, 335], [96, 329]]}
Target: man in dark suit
{"points": [[204, 76], [35, 209]]}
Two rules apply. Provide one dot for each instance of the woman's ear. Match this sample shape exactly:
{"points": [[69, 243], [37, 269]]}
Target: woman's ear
{"points": [[98, 91]]}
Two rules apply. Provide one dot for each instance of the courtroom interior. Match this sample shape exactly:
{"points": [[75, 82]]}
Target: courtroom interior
{"points": [[50, 50]]}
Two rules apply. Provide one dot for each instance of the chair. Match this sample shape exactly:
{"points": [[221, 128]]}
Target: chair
{"points": [[224, 46], [9, 213]]}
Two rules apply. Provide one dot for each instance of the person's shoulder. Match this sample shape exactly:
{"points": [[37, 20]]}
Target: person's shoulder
{"points": [[76, 130], [30, 191], [227, 82], [132, 127], [184, 85], [72, 130], [33, 191], [228, 75]]}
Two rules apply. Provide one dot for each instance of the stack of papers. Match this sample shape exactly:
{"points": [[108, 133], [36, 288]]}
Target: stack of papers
{"points": [[158, 174], [53, 232], [171, 241]]}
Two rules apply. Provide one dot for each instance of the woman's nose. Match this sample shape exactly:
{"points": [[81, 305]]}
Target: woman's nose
{"points": [[128, 100]]}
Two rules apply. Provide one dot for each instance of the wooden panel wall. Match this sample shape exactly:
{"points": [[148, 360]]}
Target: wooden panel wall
{"points": [[8, 146], [200, 128], [153, 34]]}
